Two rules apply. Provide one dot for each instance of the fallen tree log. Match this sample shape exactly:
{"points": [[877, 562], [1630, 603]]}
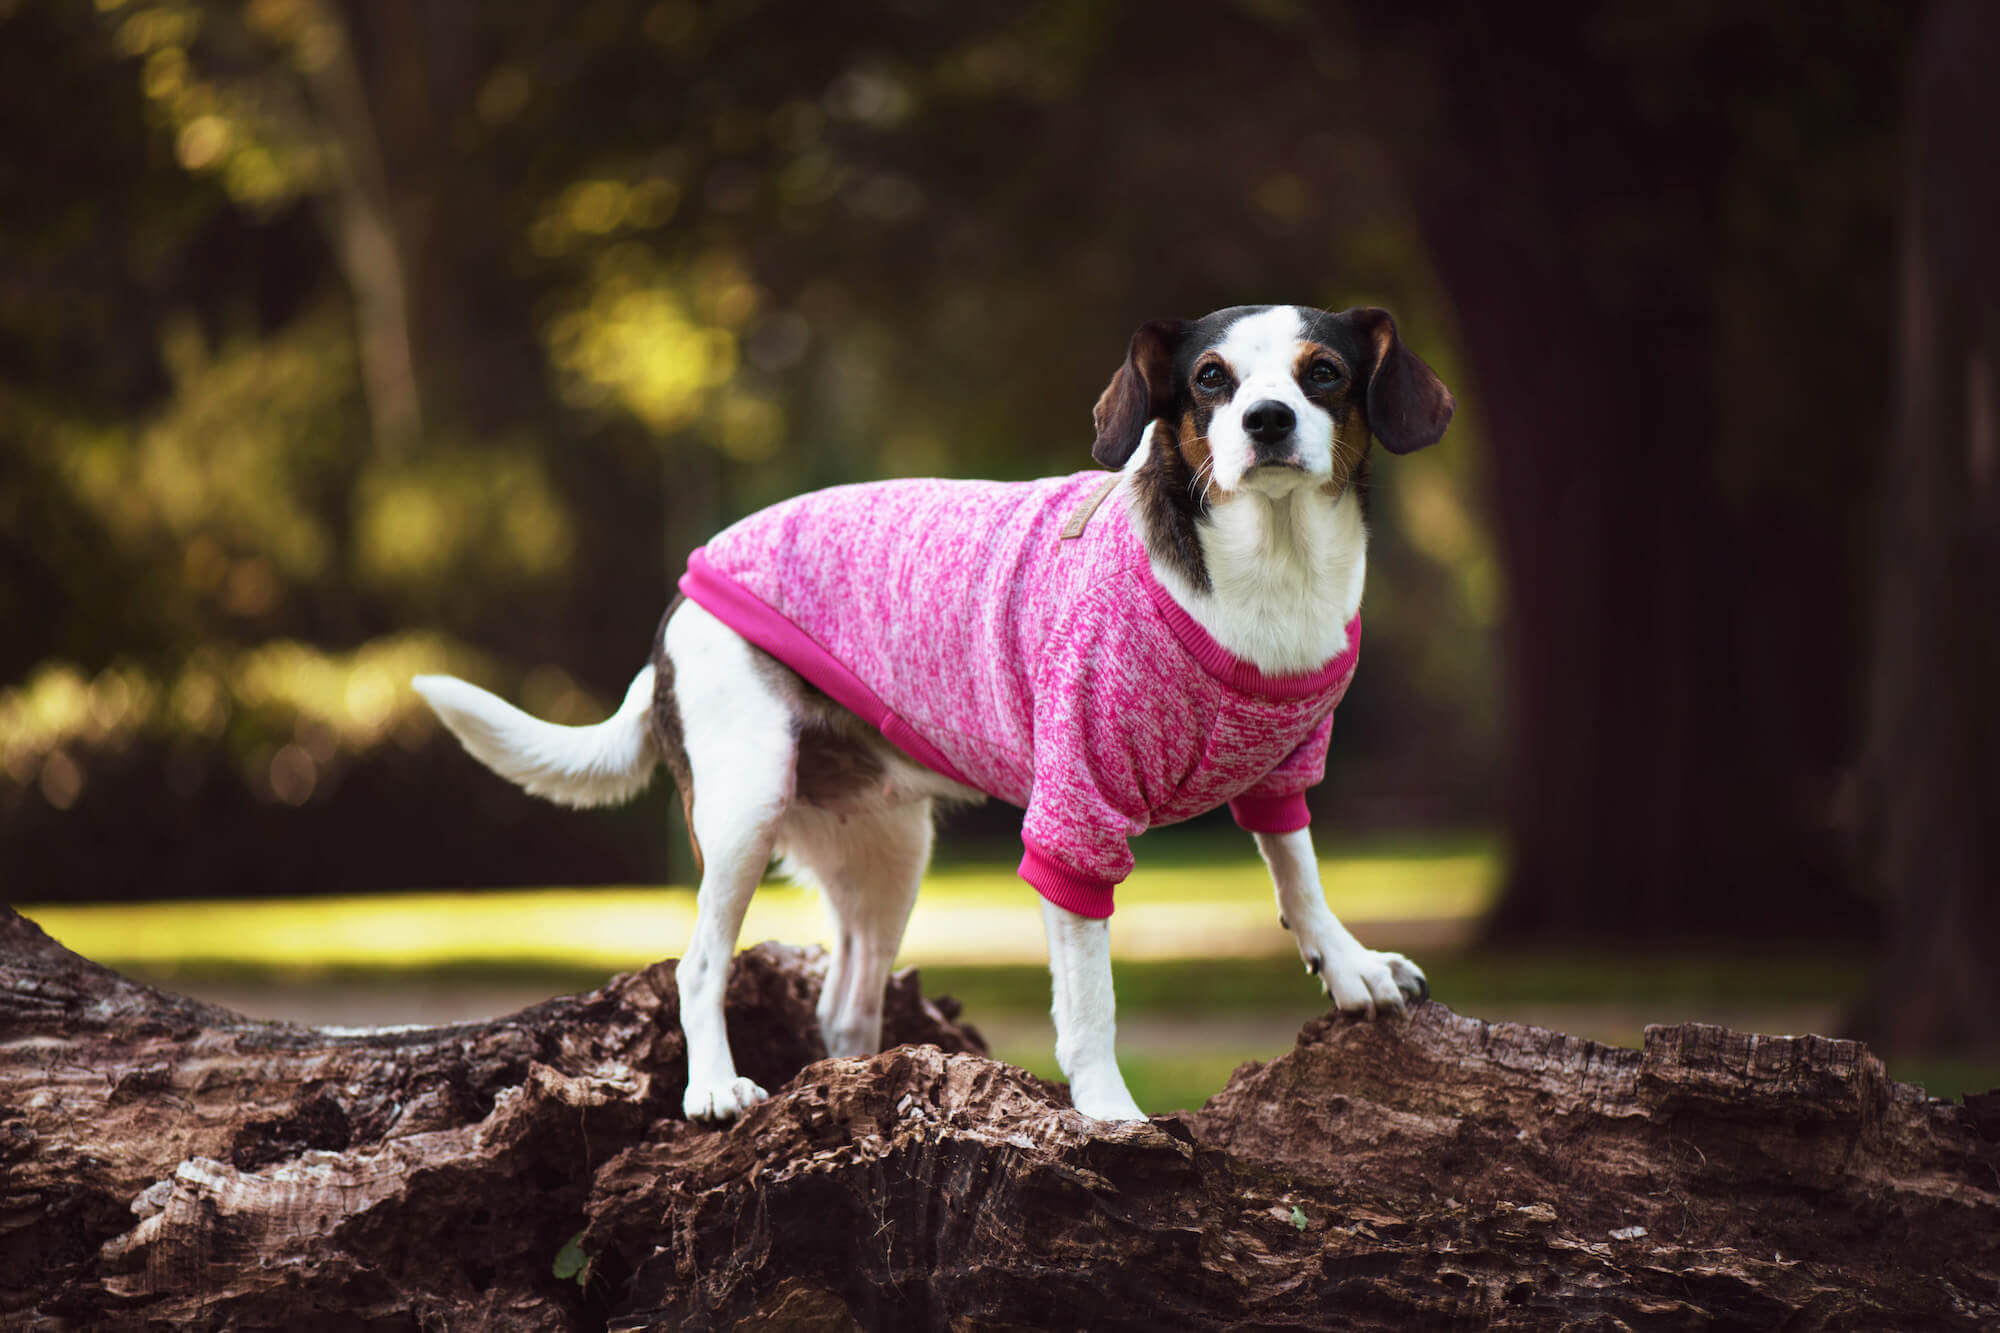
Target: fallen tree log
{"points": [[165, 1163]]}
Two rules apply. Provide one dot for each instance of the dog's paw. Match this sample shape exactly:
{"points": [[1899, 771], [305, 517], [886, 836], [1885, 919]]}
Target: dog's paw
{"points": [[719, 1103], [1366, 982]]}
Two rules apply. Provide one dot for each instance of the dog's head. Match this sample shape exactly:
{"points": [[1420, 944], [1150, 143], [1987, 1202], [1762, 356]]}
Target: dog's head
{"points": [[1269, 398]]}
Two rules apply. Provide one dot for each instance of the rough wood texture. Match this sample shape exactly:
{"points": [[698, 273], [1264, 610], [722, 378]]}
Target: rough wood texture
{"points": [[165, 1163]]}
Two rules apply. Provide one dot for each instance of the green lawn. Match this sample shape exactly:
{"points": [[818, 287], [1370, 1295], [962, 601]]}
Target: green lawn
{"points": [[1205, 978], [1185, 898]]}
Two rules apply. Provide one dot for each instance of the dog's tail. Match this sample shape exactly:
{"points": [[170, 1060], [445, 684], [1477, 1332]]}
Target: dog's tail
{"points": [[599, 765]]}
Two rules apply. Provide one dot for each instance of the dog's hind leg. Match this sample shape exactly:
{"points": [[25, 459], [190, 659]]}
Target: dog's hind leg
{"points": [[738, 717], [869, 865]]}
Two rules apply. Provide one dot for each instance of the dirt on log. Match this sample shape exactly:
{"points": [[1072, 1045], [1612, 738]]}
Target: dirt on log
{"points": [[165, 1163]]}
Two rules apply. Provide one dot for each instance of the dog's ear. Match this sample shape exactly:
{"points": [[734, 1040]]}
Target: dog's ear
{"points": [[1139, 394], [1408, 406]]}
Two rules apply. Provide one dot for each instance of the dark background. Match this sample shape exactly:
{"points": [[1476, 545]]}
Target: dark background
{"points": [[340, 340]]}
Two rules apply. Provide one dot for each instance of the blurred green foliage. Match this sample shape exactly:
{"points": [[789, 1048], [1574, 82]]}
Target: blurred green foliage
{"points": [[341, 342], [372, 338]]}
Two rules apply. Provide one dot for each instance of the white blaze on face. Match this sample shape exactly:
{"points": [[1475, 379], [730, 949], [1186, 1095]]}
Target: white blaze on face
{"points": [[1262, 352]]}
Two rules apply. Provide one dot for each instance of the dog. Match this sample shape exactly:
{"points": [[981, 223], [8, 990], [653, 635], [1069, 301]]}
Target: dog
{"points": [[1111, 650]]}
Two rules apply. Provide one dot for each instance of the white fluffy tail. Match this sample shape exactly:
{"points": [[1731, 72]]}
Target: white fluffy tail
{"points": [[600, 765]]}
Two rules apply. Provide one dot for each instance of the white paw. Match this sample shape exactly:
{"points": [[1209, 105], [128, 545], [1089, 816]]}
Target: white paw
{"points": [[721, 1102], [1366, 982]]}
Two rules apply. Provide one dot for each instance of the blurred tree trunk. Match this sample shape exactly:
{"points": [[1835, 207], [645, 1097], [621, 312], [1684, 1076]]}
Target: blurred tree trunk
{"points": [[448, 330], [376, 254], [412, 226], [1579, 232], [1931, 778]]}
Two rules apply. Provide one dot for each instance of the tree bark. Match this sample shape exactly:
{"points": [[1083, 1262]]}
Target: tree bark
{"points": [[1931, 776], [170, 1164]]}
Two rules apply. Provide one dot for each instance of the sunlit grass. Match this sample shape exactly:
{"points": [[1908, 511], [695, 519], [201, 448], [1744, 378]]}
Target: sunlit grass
{"points": [[1670, 987], [1205, 978], [1220, 1012], [966, 915], [1163, 1083]]}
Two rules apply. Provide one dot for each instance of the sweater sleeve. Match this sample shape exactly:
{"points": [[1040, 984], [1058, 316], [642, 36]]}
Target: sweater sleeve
{"points": [[1085, 802], [1277, 803]]}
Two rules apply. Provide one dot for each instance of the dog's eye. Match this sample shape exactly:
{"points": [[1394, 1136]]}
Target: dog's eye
{"points": [[1323, 374], [1212, 378]]}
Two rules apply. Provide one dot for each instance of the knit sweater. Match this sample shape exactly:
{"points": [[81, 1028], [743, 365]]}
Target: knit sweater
{"points": [[1009, 638]]}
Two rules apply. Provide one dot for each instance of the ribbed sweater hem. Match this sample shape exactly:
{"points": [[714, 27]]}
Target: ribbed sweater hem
{"points": [[1086, 895], [1271, 814]]}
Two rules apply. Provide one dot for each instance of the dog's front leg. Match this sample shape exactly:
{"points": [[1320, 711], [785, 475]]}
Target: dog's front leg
{"points": [[1086, 1014], [1359, 980]]}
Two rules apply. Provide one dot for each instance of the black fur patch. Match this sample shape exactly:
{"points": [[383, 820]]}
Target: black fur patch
{"points": [[1141, 391], [1170, 507]]}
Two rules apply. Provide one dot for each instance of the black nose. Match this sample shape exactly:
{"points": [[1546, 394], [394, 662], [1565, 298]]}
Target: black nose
{"points": [[1269, 421]]}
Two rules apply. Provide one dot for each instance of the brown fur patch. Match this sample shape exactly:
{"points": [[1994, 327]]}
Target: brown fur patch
{"points": [[1383, 335], [1350, 449], [839, 756], [1194, 444], [1350, 433], [1310, 352], [668, 732]]}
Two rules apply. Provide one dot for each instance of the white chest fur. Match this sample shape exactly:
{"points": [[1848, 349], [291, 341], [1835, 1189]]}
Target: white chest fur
{"points": [[1285, 574]]}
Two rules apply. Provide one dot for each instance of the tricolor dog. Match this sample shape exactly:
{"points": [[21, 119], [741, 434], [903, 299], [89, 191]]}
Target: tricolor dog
{"points": [[1109, 650]]}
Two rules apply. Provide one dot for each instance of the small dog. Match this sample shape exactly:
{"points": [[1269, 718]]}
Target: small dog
{"points": [[1111, 650]]}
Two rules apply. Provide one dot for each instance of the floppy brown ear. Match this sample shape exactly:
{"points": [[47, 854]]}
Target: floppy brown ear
{"points": [[1408, 406], [1140, 393]]}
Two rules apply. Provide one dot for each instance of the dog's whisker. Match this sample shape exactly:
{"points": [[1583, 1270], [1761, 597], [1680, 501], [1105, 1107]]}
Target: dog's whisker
{"points": [[1204, 477]]}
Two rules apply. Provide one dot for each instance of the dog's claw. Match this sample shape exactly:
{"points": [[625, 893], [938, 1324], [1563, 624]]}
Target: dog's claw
{"points": [[1411, 984], [1282, 923], [1367, 984]]}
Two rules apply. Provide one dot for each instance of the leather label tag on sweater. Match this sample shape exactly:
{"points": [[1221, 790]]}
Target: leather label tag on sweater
{"points": [[1080, 520]]}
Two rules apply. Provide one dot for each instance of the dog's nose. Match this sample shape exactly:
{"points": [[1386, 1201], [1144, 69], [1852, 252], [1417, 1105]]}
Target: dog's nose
{"points": [[1269, 421]]}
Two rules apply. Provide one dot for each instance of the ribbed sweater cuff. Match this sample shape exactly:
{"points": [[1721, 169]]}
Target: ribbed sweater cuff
{"points": [[1271, 814], [1086, 895]]}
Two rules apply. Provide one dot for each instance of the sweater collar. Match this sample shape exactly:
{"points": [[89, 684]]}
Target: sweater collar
{"points": [[1243, 676]]}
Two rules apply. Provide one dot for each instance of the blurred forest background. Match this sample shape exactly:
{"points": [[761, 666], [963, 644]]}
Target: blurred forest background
{"points": [[343, 339]]}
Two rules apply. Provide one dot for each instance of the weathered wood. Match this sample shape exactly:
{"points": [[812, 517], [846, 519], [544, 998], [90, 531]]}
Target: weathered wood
{"points": [[166, 1163]]}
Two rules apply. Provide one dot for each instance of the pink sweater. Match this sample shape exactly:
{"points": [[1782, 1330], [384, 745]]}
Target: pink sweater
{"points": [[1004, 636]]}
